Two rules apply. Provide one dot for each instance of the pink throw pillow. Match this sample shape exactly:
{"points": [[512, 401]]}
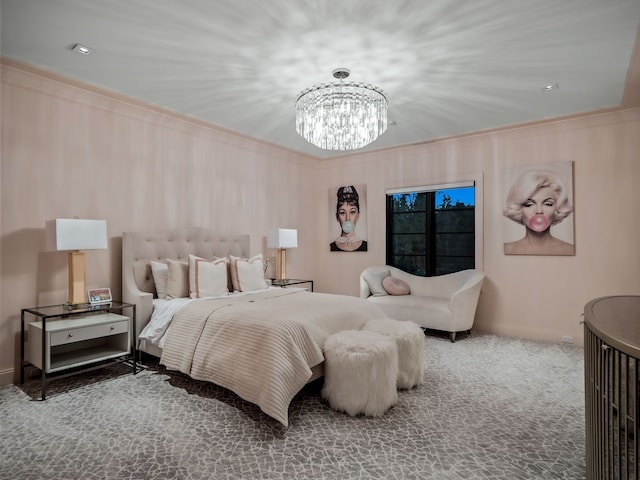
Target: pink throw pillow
{"points": [[395, 286]]}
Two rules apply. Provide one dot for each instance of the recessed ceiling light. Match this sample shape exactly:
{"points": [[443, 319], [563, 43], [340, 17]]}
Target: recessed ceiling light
{"points": [[79, 48], [550, 87]]}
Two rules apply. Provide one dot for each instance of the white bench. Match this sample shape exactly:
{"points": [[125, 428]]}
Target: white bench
{"points": [[360, 372], [410, 342]]}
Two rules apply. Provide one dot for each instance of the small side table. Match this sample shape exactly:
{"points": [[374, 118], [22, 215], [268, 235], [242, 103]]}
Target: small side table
{"points": [[78, 339], [289, 282]]}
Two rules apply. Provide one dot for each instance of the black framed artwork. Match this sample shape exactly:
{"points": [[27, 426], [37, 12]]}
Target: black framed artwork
{"points": [[538, 209], [348, 218]]}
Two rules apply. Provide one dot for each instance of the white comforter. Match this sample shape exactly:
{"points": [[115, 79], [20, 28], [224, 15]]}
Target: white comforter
{"points": [[260, 346]]}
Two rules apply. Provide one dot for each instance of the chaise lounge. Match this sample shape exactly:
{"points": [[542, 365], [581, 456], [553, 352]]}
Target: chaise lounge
{"points": [[446, 302]]}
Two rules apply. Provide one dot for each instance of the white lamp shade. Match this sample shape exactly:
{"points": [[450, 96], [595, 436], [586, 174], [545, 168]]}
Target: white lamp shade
{"points": [[76, 234], [282, 238]]}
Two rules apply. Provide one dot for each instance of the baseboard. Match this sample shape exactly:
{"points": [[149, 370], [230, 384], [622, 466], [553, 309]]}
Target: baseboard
{"points": [[6, 377]]}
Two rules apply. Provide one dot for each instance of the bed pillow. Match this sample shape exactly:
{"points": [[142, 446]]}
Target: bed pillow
{"points": [[395, 286], [160, 274], [177, 279], [207, 278], [247, 274], [374, 280]]}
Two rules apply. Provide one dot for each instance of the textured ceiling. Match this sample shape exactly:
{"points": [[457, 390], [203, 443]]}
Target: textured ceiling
{"points": [[448, 67]]}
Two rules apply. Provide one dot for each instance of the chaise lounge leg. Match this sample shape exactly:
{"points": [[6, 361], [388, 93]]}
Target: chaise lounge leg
{"points": [[452, 335]]}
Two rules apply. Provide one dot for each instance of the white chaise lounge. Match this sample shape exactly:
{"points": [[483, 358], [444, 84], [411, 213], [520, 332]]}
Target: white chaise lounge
{"points": [[446, 302]]}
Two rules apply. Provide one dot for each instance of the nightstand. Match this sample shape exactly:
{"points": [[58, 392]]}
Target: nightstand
{"points": [[289, 282], [64, 341]]}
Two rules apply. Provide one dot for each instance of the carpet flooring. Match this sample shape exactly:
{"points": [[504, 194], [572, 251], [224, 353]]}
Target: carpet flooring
{"points": [[490, 408]]}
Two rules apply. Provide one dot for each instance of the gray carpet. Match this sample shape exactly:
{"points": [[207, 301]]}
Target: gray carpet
{"points": [[490, 408]]}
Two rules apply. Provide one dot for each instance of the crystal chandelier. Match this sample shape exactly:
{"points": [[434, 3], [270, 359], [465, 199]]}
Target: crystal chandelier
{"points": [[341, 115]]}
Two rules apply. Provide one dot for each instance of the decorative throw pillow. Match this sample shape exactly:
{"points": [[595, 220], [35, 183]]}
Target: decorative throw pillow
{"points": [[160, 274], [207, 278], [177, 279], [247, 274], [374, 280], [395, 286]]}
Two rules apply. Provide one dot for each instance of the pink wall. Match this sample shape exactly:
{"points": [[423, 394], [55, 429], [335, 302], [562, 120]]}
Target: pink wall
{"points": [[524, 296], [72, 150]]}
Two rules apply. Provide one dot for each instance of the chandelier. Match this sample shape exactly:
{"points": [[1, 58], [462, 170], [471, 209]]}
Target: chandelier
{"points": [[341, 115]]}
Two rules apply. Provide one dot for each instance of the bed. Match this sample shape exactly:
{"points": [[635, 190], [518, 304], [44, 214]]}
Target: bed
{"points": [[263, 343]]}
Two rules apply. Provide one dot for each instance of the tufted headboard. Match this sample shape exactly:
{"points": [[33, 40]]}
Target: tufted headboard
{"points": [[138, 249]]}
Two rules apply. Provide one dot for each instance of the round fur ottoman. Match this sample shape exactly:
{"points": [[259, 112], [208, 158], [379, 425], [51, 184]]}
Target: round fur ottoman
{"points": [[410, 341], [360, 370]]}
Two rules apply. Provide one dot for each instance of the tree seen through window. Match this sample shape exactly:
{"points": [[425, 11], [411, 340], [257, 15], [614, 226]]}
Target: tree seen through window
{"points": [[431, 233]]}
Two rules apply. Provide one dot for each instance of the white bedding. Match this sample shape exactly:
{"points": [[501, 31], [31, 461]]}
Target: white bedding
{"points": [[163, 311], [261, 346]]}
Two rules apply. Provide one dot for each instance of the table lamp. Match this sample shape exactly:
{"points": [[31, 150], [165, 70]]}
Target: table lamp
{"points": [[73, 235], [282, 238]]}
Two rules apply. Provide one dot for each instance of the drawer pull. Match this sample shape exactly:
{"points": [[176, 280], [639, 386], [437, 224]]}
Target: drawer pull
{"points": [[70, 335], [113, 328]]}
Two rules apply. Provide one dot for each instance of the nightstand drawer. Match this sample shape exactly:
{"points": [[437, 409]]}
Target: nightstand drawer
{"points": [[75, 341], [86, 333]]}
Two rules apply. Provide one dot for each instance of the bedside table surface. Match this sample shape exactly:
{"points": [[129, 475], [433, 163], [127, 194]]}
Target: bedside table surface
{"points": [[288, 281], [64, 310]]}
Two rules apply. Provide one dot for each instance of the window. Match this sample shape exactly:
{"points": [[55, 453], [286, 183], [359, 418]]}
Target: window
{"points": [[432, 230]]}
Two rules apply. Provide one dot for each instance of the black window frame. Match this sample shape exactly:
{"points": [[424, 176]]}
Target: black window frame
{"points": [[428, 261]]}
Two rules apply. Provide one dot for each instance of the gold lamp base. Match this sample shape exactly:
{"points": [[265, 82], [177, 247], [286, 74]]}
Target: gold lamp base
{"points": [[281, 264], [77, 280]]}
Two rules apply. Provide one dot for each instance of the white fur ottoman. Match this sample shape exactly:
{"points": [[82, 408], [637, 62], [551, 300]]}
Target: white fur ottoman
{"points": [[360, 372], [410, 341]]}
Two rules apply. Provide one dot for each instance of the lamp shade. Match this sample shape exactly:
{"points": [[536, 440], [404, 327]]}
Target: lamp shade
{"points": [[282, 238], [76, 234]]}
